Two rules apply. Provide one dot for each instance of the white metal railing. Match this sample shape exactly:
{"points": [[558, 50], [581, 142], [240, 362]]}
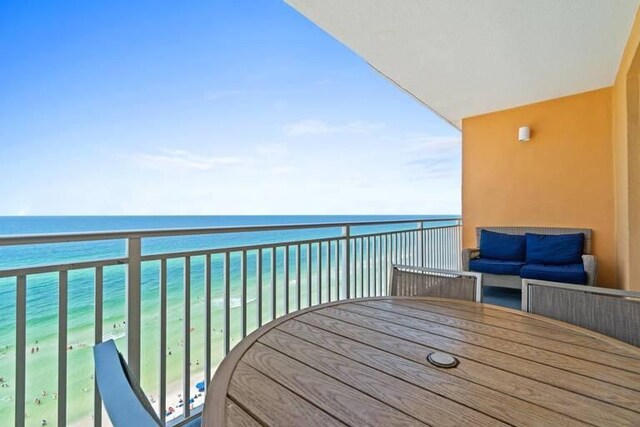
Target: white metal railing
{"points": [[285, 276]]}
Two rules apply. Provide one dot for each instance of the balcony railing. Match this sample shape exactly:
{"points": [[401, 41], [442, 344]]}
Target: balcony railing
{"points": [[188, 297]]}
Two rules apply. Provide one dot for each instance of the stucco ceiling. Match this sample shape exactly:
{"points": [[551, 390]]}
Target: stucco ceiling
{"points": [[467, 57]]}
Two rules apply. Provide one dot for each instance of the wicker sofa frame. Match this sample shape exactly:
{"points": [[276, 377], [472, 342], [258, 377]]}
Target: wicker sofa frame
{"points": [[515, 282]]}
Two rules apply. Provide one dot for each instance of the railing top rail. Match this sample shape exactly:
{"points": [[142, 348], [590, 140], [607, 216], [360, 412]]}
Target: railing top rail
{"points": [[10, 240]]}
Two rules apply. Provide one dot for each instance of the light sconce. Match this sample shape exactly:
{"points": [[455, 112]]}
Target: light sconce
{"points": [[524, 134]]}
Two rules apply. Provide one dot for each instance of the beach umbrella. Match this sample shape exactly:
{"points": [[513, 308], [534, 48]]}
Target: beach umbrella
{"points": [[200, 386]]}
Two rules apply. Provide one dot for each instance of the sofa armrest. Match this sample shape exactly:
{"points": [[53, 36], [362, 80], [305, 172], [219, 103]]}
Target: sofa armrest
{"points": [[467, 255], [591, 267]]}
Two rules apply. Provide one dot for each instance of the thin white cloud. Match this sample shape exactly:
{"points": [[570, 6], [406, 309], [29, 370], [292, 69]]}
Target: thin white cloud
{"points": [[436, 157], [272, 149], [282, 170], [362, 127], [307, 127], [429, 143], [319, 127], [344, 171], [185, 160]]}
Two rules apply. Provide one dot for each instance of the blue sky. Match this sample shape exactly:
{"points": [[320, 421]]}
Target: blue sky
{"points": [[206, 107]]}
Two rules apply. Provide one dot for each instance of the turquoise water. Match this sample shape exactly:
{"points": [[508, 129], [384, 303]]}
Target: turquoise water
{"points": [[42, 298]]}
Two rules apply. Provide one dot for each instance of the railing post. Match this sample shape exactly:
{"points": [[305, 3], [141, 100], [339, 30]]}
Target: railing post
{"points": [[134, 253], [21, 351], [346, 232], [63, 303], [420, 256], [459, 244]]}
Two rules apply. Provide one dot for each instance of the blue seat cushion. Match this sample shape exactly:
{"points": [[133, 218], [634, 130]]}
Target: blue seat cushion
{"points": [[505, 247], [558, 250], [569, 273], [495, 266]]}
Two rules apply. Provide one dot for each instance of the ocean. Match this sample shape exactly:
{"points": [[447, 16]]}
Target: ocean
{"points": [[42, 299]]}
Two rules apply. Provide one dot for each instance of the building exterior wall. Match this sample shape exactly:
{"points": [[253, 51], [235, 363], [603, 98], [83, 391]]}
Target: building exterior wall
{"points": [[562, 177], [626, 157]]}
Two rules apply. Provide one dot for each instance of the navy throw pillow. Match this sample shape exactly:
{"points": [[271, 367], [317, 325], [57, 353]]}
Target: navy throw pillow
{"points": [[505, 247], [556, 250]]}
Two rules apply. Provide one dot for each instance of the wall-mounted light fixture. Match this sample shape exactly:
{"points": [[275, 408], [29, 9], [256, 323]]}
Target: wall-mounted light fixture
{"points": [[524, 134]]}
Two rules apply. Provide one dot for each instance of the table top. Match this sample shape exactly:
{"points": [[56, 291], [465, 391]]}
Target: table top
{"points": [[364, 362]]}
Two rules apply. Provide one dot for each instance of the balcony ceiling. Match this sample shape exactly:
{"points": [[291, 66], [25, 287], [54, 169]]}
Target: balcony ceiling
{"points": [[467, 57]]}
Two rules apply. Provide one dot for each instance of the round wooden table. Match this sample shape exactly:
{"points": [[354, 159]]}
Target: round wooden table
{"points": [[364, 362]]}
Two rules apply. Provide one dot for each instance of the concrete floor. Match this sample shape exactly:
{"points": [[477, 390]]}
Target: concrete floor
{"points": [[505, 297]]}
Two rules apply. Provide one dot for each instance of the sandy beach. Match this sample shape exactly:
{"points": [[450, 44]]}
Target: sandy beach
{"points": [[41, 386]]}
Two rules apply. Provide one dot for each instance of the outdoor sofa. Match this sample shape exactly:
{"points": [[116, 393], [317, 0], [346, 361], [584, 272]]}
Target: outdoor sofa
{"points": [[506, 255]]}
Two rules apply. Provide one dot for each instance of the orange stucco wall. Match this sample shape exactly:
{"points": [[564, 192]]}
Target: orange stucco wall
{"points": [[626, 156], [562, 177]]}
